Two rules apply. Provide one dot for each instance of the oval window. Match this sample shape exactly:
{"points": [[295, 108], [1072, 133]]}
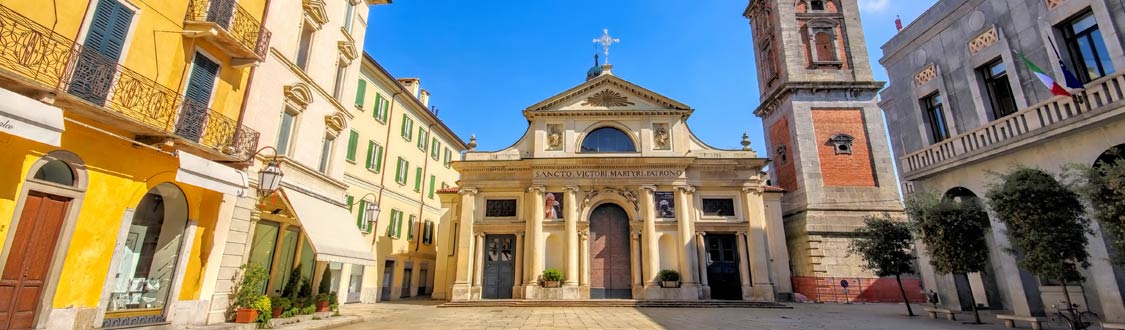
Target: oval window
{"points": [[607, 139]]}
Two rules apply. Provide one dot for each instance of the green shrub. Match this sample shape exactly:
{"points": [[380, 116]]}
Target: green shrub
{"points": [[669, 275], [251, 284], [264, 309], [551, 274], [325, 282], [281, 302]]}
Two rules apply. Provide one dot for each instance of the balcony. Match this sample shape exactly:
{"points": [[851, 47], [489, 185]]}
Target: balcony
{"points": [[41, 64], [229, 27], [1102, 99]]}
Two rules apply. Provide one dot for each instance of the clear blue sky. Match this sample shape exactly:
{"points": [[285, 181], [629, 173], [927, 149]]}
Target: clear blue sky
{"points": [[486, 61]]}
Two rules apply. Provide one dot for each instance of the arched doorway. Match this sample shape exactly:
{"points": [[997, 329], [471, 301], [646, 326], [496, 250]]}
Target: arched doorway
{"points": [[1114, 156], [982, 286], [609, 252], [38, 240], [148, 257]]}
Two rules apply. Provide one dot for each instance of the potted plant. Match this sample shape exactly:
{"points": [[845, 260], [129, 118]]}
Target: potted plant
{"points": [[280, 305], [262, 306], [552, 278], [669, 278], [334, 302], [322, 302], [248, 293]]}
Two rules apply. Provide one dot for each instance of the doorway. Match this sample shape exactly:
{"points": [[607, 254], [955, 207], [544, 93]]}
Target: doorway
{"points": [[407, 277], [25, 272], [355, 284], [609, 253], [722, 267], [499, 267], [388, 279]]}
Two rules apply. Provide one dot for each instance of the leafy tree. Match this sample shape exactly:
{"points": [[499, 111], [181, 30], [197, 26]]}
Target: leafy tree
{"points": [[1046, 223], [953, 231], [1103, 187], [885, 246]]}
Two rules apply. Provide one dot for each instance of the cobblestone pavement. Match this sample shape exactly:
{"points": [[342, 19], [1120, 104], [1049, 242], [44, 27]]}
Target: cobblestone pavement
{"points": [[424, 315]]}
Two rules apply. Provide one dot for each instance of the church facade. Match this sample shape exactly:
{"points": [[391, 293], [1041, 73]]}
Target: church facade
{"points": [[610, 187]]}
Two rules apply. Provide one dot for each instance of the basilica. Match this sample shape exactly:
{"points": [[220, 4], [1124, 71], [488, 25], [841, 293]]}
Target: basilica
{"points": [[609, 187]]}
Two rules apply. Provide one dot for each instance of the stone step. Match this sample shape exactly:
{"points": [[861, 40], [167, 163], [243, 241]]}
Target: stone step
{"points": [[614, 303]]}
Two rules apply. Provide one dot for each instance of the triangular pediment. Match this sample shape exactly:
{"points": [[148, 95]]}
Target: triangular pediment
{"points": [[608, 93]]}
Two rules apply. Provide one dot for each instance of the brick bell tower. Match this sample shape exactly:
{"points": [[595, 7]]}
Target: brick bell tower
{"points": [[824, 130]]}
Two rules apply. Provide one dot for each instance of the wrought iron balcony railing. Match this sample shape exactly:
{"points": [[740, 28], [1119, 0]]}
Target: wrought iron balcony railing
{"points": [[228, 15], [1105, 94], [46, 61]]}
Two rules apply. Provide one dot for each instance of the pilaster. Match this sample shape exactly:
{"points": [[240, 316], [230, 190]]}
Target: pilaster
{"points": [[536, 249], [518, 279], [570, 216], [651, 256], [462, 285], [685, 238], [758, 251], [701, 252], [743, 269]]}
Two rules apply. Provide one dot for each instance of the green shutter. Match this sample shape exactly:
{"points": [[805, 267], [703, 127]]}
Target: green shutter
{"points": [[404, 131], [432, 179], [386, 109], [391, 225], [348, 199], [360, 93], [378, 158], [378, 113], [359, 218], [398, 171], [370, 151], [353, 139], [418, 180]]}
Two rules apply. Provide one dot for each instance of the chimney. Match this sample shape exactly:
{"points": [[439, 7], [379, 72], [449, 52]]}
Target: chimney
{"points": [[412, 85], [424, 96]]}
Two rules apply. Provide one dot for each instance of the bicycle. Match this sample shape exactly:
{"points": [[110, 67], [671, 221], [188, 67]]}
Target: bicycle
{"points": [[1072, 317]]}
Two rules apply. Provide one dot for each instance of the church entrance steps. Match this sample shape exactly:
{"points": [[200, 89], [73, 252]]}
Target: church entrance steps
{"points": [[615, 303]]}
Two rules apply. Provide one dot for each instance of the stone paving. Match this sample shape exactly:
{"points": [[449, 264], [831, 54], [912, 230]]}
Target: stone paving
{"points": [[425, 315]]}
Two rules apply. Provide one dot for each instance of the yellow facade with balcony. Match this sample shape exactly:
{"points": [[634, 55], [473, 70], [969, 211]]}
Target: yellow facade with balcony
{"points": [[120, 121]]}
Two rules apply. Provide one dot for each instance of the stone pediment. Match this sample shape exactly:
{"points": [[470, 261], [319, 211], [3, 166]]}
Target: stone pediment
{"points": [[607, 93]]}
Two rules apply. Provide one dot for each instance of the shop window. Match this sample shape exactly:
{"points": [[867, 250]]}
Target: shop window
{"points": [[718, 207], [500, 208], [146, 265]]}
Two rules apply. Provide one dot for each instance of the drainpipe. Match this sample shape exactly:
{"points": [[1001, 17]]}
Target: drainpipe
{"points": [[250, 83]]}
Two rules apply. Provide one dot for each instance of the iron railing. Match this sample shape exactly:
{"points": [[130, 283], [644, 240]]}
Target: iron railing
{"points": [[236, 20], [34, 52]]}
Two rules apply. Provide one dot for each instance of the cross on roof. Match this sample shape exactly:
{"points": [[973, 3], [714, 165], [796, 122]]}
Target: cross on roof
{"points": [[606, 41]]}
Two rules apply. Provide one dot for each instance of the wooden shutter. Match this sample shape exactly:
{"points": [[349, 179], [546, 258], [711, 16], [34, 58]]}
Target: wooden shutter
{"points": [[359, 219], [353, 141], [109, 28], [378, 158], [361, 90], [370, 152], [418, 179], [433, 178]]}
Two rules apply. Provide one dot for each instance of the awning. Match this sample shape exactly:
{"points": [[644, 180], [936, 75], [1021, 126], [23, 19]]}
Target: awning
{"points": [[30, 119], [206, 174], [331, 230]]}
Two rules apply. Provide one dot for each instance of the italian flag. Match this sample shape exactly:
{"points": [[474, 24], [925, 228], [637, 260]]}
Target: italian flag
{"points": [[1046, 79]]}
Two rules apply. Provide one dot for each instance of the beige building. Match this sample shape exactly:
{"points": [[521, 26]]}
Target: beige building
{"points": [[609, 186], [962, 103], [398, 155]]}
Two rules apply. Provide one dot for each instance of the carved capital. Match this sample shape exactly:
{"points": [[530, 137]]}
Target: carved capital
{"points": [[700, 234], [686, 189], [648, 187], [756, 190], [636, 235], [537, 189], [583, 235], [467, 191], [741, 235], [479, 234], [574, 189]]}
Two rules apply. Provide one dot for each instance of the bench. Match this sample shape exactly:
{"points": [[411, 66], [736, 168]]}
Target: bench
{"points": [[950, 315], [1010, 321], [1109, 326]]}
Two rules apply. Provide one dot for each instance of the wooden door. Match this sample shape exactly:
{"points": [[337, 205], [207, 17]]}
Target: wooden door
{"points": [[499, 267], [29, 259], [609, 253], [722, 267], [388, 279]]}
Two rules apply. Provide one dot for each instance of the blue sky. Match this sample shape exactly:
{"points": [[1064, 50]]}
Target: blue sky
{"points": [[486, 61]]}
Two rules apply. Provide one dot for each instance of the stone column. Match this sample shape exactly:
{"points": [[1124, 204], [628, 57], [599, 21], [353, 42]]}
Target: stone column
{"points": [[757, 248], [518, 280], [701, 251], [686, 234], [478, 270], [584, 256], [779, 250], [635, 258], [536, 248], [462, 283], [570, 216], [651, 258], [743, 269]]}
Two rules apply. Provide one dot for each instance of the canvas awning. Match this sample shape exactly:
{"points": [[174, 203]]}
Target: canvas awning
{"points": [[331, 230], [206, 174], [30, 119]]}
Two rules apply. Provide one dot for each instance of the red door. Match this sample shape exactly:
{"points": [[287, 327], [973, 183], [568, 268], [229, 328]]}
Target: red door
{"points": [[29, 259], [609, 253]]}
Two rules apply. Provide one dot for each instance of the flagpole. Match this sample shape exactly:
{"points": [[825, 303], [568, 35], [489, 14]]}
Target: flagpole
{"points": [[1067, 76]]}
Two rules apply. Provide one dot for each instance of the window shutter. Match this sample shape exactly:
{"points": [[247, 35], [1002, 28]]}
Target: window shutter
{"points": [[370, 152], [378, 158], [349, 200], [109, 28], [432, 179], [360, 93], [386, 106], [398, 227], [418, 180], [359, 219], [405, 131], [353, 141], [378, 113]]}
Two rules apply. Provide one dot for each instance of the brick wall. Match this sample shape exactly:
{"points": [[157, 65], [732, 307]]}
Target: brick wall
{"points": [[860, 289], [786, 172], [844, 169]]}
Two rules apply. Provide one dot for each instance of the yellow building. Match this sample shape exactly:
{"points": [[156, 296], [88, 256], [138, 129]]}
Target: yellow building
{"points": [[115, 117], [399, 155]]}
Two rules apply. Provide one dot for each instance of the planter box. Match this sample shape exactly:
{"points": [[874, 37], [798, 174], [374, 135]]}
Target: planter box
{"points": [[669, 284], [322, 306], [552, 284], [246, 315]]}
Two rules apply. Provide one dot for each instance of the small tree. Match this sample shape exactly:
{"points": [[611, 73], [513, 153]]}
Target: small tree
{"points": [[1045, 223], [885, 246], [1103, 187], [953, 231]]}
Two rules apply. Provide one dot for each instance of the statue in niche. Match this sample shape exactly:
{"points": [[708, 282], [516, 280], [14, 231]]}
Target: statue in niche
{"points": [[554, 137], [660, 136]]}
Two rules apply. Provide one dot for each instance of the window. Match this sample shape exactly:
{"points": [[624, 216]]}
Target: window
{"points": [[374, 157], [500, 208], [428, 232], [935, 117], [407, 127], [304, 45], [423, 142], [394, 228], [382, 106], [999, 89], [444, 185], [825, 46], [413, 225], [607, 139], [842, 143], [433, 178], [435, 151], [418, 179], [360, 221], [285, 132], [718, 207], [325, 153], [338, 86], [353, 141], [400, 171], [360, 93], [817, 5], [348, 17], [448, 157], [1087, 48]]}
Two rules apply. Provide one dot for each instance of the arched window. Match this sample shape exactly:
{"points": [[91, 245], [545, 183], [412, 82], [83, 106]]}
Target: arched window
{"points": [[56, 171], [607, 139], [817, 5]]}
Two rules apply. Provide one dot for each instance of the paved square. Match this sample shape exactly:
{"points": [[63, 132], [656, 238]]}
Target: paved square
{"points": [[425, 315]]}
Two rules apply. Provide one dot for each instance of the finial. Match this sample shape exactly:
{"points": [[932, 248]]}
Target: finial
{"points": [[605, 40], [745, 141], [472, 142]]}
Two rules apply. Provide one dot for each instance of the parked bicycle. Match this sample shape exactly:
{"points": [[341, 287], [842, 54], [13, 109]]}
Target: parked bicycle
{"points": [[1073, 317]]}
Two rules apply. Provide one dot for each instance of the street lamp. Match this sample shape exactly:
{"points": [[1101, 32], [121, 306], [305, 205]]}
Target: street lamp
{"points": [[269, 177], [370, 210]]}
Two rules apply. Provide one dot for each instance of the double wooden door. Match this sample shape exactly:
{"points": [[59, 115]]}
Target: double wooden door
{"points": [[609, 253], [499, 266], [29, 259], [722, 267]]}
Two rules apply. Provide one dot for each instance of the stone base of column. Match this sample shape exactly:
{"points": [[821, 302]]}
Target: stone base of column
{"points": [[705, 292], [583, 292], [763, 292], [747, 292], [462, 292], [570, 292], [659, 293]]}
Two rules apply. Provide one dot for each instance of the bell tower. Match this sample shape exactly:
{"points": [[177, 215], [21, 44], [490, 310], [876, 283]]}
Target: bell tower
{"points": [[824, 129]]}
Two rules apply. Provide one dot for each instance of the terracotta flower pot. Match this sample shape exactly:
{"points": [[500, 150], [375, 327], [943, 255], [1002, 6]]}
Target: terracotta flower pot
{"points": [[246, 315], [670, 284], [276, 312], [552, 284], [322, 306]]}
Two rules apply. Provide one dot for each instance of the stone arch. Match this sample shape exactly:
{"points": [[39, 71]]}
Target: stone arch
{"points": [[58, 166], [1111, 155], [985, 288], [335, 124], [628, 132], [600, 196], [299, 95], [668, 253]]}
